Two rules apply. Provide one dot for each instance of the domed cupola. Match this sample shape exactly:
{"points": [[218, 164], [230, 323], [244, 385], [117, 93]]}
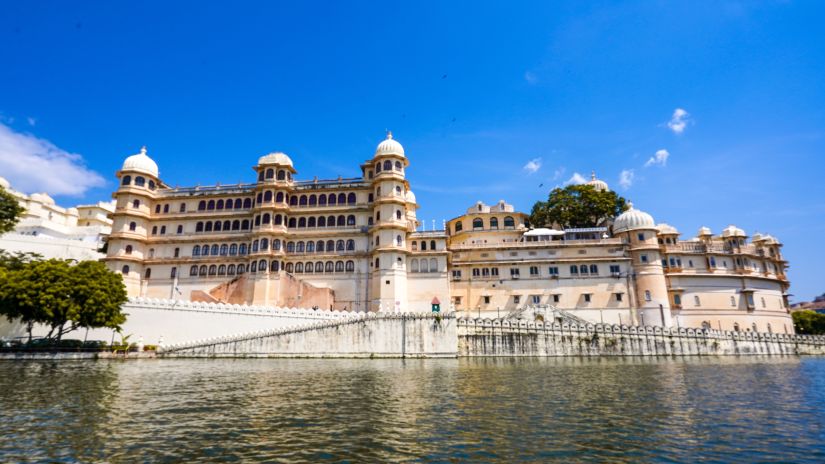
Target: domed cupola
{"points": [[277, 158], [389, 147], [141, 163], [633, 219], [597, 184]]}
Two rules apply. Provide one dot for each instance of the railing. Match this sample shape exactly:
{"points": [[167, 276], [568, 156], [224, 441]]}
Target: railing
{"points": [[553, 243]]}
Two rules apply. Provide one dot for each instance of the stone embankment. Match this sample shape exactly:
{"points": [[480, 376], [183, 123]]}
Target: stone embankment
{"points": [[417, 335], [485, 337]]}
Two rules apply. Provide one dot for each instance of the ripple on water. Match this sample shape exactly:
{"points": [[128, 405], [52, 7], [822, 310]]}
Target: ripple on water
{"points": [[495, 410]]}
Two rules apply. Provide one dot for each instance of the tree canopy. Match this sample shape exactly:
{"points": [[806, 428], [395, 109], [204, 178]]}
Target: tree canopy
{"points": [[10, 211], [62, 296], [577, 206], [808, 322]]}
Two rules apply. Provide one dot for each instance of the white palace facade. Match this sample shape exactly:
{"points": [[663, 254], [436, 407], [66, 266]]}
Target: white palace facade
{"points": [[354, 244]]}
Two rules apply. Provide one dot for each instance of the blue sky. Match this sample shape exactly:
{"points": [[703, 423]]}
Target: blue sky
{"points": [[474, 91]]}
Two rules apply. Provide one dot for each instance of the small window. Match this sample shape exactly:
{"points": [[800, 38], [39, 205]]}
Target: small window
{"points": [[677, 299], [553, 270], [486, 299], [733, 301], [641, 236], [536, 299], [647, 295], [643, 259], [516, 299], [619, 297], [556, 298], [587, 298], [696, 301]]}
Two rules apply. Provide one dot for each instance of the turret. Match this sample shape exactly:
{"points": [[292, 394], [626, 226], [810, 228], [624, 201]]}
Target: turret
{"points": [[391, 225], [270, 218], [638, 229]]}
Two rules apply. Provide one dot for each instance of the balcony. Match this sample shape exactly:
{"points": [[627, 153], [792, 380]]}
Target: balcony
{"points": [[537, 245]]}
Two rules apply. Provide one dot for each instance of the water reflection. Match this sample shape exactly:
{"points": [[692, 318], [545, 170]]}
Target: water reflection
{"points": [[619, 409]]}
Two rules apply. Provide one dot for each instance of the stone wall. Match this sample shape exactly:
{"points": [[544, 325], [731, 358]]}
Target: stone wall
{"points": [[369, 335], [486, 337]]}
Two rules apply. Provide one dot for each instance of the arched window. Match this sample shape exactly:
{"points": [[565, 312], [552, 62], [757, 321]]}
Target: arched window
{"points": [[350, 245], [254, 246], [322, 200], [331, 221], [208, 227], [132, 226], [509, 222], [458, 226], [247, 203], [136, 204], [432, 245], [281, 174], [351, 198], [322, 221], [378, 167], [319, 267], [423, 267], [276, 244], [332, 199], [399, 241], [341, 221], [267, 196], [423, 245], [351, 220], [128, 249], [240, 269], [308, 268], [398, 214], [238, 203], [242, 249], [278, 220], [339, 245], [218, 227], [274, 266], [262, 265], [127, 180], [329, 266], [224, 249], [180, 229], [433, 265], [303, 200], [259, 199], [290, 247], [270, 173], [151, 184], [398, 166], [310, 247], [264, 244], [292, 222], [193, 271], [233, 249], [647, 295], [299, 247], [266, 218], [302, 222], [214, 250], [219, 204], [245, 224], [414, 245], [202, 271], [157, 207], [339, 266], [202, 206], [210, 205], [594, 269], [254, 267], [227, 225], [319, 246], [279, 197], [313, 200], [583, 269], [299, 267], [478, 223], [736, 326], [222, 269], [370, 198], [311, 222], [230, 270], [196, 250], [140, 181], [387, 165], [574, 270], [260, 176], [414, 265], [182, 207]]}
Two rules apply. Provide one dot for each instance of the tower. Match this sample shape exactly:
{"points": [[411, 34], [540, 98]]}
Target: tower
{"points": [[388, 234], [128, 242], [639, 232]]}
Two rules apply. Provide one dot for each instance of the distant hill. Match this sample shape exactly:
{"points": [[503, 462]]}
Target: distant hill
{"points": [[817, 305]]}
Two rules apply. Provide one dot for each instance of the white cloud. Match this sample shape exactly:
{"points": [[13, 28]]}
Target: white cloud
{"points": [[679, 121], [531, 78], [533, 165], [576, 178], [558, 173], [31, 121], [658, 159], [626, 178], [32, 164]]}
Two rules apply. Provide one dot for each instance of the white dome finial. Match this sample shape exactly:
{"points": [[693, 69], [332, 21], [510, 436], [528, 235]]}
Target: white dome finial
{"points": [[389, 135], [593, 175], [143, 150]]}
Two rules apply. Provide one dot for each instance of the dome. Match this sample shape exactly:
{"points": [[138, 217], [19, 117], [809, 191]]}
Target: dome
{"points": [[141, 163], [389, 147], [276, 157], [667, 229], [410, 196], [733, 231], [597, 184], [633, 219], [43, 198], [703, 231]]}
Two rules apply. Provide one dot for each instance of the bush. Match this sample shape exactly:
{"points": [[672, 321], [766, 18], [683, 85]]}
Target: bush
{"points": [[70, 343], [150, 348]]}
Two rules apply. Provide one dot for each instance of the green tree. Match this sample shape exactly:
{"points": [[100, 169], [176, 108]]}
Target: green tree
{"points": [[808, 322], [577, 206], [62, 296], [16, 261], [10, 211]]}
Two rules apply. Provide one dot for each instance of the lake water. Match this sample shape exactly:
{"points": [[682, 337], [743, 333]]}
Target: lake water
{"points": [[491, 410]]}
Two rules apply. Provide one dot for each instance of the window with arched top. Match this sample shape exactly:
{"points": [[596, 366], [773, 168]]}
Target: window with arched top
{"points": [[398, 166], [387, 165], [266, 218], [238, 203], [310, 247], [193, 271], [292, 222], [242, 249], [132, 226], [302, 222], [414, 245], [274, 266], [423, 245], [458, 226], [196, 250], [151, 184], [378, 167], [214, 250], [350, 245], [290, 247], [245, 224], [241, 269], [140, 181], [202, 271], [247, 203], [494, 223], [299, 247], [342, 199], [157, 208], [319, 246], [281, 175], [210, 205], [126, 180], [647, 295], [270, 173], [128, 249], [302, 201], [293, 200], [432, 245], [433, 265], [253, 267], [478, 223], [261, 176], [299, 267], [423, 265], [136, 204], [309, 268], [339, 266], [414, 264], [594, 269], [351, 220], [219, 204], [278, 220], [339, 245], [398, 214], [233, 249], [218, 226], [319, 267], [399, 241], [311, 221], [230, 270], [276, 244], [351, 198], [313, 200], [329, 266], [322, 200], [509, 222]]}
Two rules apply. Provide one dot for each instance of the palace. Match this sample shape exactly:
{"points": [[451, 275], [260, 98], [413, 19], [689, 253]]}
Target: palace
{"points": [[354, 244]]}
